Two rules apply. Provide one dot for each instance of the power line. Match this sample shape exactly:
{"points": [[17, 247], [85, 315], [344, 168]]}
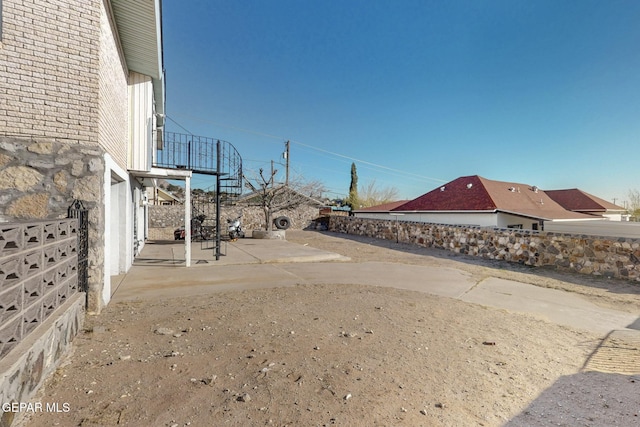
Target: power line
{"points": [[302, 144], [281, 139], [367, 163], [181, 127]]}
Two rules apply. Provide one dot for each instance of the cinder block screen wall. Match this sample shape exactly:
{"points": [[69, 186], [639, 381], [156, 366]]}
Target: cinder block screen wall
{"points": [[38, 273]]}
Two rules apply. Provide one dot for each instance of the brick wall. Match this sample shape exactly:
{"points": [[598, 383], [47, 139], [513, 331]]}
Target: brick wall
{"points": [[48, 65], [113, 109], [601, 256]]}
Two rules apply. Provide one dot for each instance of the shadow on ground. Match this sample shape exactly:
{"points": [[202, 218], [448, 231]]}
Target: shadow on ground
{"points": [[612, 285], [605, 393]]}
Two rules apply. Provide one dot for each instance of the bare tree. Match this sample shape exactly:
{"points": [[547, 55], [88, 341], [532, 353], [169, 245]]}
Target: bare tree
{"points": [[372, 195], [634, 203], [275, 197]]}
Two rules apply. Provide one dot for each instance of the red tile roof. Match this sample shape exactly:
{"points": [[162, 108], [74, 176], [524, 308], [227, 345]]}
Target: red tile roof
{"points": [[578, 201], [475, 193]]}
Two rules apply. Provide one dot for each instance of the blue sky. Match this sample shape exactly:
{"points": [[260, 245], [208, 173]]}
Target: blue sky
{"points": [[416, 93]]}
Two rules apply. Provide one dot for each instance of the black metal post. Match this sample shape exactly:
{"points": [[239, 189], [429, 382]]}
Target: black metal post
{"points": [[189, 154], [218, 228]]}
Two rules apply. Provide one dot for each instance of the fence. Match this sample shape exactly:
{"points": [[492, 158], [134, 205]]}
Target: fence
{"points": [[38, 273], [601, 256]]}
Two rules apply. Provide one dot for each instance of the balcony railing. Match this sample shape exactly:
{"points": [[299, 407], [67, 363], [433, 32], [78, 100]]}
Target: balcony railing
{"points": [[201, 155]]}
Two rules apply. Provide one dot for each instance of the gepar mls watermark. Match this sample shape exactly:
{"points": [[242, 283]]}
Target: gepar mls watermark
{"points": [[33, 407]]}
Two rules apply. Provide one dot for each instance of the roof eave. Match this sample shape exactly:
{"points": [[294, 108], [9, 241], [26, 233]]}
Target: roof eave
{"points": [[525, 215], [445, 211], [139, 25]]}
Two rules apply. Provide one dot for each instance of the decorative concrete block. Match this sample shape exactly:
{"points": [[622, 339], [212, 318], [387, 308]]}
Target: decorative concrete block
{"points": [[32, 235], [10, 335], [49, 280], [11, 238], [11, 271], [32, 317], [50, 232], [32, 289], [32, 264], [10, 302], [49, 304]]}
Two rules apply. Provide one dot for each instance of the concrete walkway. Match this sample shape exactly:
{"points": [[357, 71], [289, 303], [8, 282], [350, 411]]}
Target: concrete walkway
{"points": [[159, 272]]}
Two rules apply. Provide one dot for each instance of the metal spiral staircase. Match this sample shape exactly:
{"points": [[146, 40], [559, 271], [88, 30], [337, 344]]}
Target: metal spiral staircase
{"points": [[206, 156]]}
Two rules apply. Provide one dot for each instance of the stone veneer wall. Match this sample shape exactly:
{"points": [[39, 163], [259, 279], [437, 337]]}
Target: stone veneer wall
{"points": [[610, 257], [26, 368], [253, 216], [51, 114], [164, 219], [39, 179]]}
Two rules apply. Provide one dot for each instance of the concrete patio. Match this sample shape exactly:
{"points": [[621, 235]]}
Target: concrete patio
{"points": [[159, 272]]}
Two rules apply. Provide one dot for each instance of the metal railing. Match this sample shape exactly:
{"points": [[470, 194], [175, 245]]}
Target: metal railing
{"points": [[201, 155]]}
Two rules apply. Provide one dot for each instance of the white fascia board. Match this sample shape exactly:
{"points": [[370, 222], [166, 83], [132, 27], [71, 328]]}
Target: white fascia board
{"points": [[525, 215], [601, 219], [446, 212], [164, 173]]}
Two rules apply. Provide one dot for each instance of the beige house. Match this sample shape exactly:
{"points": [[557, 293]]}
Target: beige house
{"points": [[81, 108], [159, 196], [84, 84]]}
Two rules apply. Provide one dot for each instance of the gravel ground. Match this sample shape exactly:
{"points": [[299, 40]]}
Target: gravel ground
{"points": [[348, 355]]}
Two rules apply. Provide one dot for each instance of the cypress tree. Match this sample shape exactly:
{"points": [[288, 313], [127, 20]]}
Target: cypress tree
{"points": [[352, 200]]}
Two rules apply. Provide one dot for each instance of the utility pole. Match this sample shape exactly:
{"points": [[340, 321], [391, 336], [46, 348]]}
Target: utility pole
{"points": [[272, 170], [286, 158]]}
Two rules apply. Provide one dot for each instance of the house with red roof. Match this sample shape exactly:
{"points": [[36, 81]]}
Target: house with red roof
{"points": [[477, 201], [577, 200]]}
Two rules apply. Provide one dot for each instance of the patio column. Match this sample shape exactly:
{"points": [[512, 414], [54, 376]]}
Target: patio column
{"points": [[187, 221]]}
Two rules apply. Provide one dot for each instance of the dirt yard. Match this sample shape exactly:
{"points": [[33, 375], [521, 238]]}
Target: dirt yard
{"points": [[343, 355]]}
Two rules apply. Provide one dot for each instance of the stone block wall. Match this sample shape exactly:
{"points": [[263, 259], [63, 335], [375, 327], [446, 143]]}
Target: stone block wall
{"points": [[26, 368], [164, 219], [39, 179], [253, 216], [602, 256], [163, 216]]}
